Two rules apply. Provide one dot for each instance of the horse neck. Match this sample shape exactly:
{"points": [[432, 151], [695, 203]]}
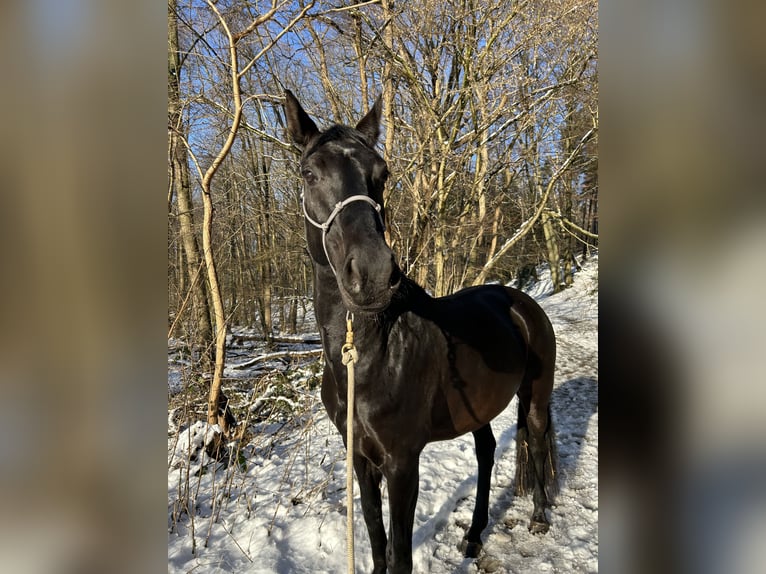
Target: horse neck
{"points": [[413, 298], [328, 305], [331, 312]]}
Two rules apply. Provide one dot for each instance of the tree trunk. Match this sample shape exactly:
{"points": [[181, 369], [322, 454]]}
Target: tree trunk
{"points": [[260, 167], [388, 102], [552, 251], [292, 318], [388, 81], [201, 334], [217, 407], [361, 59]]}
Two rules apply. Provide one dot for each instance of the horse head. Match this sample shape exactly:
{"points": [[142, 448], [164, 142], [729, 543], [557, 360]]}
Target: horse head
{"points": [[343, 178]]}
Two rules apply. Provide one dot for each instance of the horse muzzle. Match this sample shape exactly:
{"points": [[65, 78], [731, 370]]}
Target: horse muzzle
{"points": [[367, 285]]}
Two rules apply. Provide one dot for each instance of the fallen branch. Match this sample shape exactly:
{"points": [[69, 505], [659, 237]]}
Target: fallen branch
{"points": [[278, 355], [297, 339]]}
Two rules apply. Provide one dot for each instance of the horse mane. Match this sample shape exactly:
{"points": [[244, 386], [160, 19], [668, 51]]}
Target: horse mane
{"points": [[410, 297]]}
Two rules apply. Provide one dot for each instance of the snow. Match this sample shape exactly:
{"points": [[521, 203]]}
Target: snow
{"points": [[278, 505]]}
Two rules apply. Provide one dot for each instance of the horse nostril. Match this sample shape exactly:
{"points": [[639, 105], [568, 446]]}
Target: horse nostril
{"points": [[354, 275]]}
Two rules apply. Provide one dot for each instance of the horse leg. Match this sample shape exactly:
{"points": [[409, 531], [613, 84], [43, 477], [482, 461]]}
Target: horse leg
{"points": [[542, 447], [402, 498], [485, 455], [369, 478], [536, 459]]}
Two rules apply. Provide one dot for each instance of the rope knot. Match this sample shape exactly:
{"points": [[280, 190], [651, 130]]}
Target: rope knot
{"points": [[348, 350], [349, 354]]}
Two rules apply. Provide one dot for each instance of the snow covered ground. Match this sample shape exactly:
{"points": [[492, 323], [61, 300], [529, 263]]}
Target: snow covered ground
{"points": [[279, 505]]}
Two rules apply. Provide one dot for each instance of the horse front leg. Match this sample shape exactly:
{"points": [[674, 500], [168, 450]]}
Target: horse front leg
{"points": [[485, 456], [369, 478], [402, 499]]}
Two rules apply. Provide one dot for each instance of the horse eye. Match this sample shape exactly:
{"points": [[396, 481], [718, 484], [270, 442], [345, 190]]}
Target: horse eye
{"points": [[309, 176]]}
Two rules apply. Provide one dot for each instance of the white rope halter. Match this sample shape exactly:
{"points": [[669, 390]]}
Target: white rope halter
{"points": [[325, 227]]}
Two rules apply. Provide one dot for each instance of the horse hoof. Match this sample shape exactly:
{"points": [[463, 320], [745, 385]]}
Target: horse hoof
{"points": [[469, 549], [537, 527]]}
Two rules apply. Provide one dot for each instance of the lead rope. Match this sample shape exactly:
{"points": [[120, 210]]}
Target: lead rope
{"points": [[349, 358]]}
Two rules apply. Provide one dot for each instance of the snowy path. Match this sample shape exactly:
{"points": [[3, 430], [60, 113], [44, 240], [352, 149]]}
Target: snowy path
{"points": [[285, 514]]}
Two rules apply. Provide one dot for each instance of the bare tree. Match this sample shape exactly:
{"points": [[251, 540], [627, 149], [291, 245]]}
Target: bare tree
{"points": [[201, 333], [477, 100], [491, 133], [225, 18]]}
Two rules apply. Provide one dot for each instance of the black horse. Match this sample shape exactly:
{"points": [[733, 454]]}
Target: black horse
{"points": [[429, 368]]}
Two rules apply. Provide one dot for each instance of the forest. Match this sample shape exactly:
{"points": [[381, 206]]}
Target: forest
{"points": [[490, 119]]}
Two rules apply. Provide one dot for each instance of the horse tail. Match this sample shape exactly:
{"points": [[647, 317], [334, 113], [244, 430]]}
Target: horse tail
{"points": [[551, 465], [525, 468], [526, 476]]}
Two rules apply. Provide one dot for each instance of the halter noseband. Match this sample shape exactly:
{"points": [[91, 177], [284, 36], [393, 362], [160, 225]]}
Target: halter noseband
{"points": [[325, 227]]}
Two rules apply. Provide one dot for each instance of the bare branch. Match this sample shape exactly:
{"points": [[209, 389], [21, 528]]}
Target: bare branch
{"points": [[236, 94], [352, 7], [284, 31], [263, 18], [564, 221], [529, 223]]}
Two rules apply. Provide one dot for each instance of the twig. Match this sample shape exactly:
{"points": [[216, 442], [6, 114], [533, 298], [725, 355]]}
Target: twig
{"points": [[354, 6]]}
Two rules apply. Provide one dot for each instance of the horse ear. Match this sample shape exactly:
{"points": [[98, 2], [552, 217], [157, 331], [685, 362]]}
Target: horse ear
{"points": [[369, 125], [299, 125]]}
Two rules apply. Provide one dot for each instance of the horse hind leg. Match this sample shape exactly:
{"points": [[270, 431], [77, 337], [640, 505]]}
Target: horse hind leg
{"points": [[536, 457], [485, 455]]}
